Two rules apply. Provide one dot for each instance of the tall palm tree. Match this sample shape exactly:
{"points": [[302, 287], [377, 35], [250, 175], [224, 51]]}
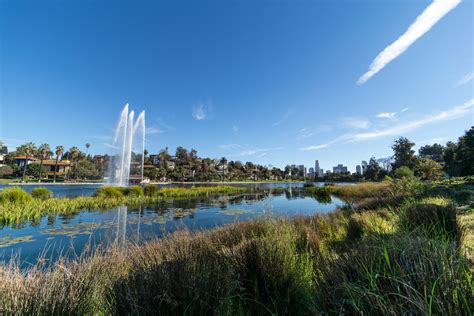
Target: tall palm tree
{"points": [[87, 148], [59, 152], [44, 152], [28, 150], [74, 155]]}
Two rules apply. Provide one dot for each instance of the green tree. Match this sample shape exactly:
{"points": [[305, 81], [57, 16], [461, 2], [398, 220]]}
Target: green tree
{"points": [[59, 152], [459, 157], [373, 171], [429, 169], [434, 152], [403, 172], [28, 151], [87, 148], [86, 169], [404, 155], [44, 152], [35, 169]]}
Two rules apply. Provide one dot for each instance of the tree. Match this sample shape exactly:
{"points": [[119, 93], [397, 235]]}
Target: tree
{"points": [[87, 148], [403, 172], [59, 152], [28, 150], [404, 155], [74, 153], [35, 169], [459, 157], [373, 171], [86, 169], [429, 169], [434, 152], [6, 171], [44, 152]]}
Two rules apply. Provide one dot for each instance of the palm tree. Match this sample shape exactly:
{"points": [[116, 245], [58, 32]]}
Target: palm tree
{"points": [[44, 152], [59, 152], [27, 149], [74, 154], [87, 148]]}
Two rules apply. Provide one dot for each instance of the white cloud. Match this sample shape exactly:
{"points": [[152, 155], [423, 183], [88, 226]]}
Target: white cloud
{"points": [[153, 130], [398, 130], [455, 112], [282, 119], [314, 147], [466, 79], [199, 113], [230, 146], [387, 114], [423, 23], [355, 122], [404, 110]]}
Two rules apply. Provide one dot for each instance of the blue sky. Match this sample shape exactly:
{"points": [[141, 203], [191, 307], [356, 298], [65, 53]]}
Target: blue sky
{"points": [[274, 82]]}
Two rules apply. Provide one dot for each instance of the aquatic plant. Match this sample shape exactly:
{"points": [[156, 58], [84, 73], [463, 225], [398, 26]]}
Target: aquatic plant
{"points": [[41, 193], [14, 195]]}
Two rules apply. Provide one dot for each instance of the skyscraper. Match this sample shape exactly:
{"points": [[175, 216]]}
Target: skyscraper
{"points": [[364, 166], [358, 170]]}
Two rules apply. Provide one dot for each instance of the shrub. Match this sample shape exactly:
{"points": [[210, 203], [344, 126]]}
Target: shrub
{"points": [[109, 192], [135, 191], [41, 193], [14, 195], [150, 190], [434, 216], [463, 196], [403, 172]]}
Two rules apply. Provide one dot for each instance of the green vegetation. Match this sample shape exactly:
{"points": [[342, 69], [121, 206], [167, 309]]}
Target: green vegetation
{"points": [[41, 193], [17, 206], [404, 257]]}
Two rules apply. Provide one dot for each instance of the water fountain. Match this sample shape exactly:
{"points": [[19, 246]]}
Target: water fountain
{"points": [[128, 144]]}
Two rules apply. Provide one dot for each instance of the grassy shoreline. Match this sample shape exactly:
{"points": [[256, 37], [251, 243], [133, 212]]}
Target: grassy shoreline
{"points": [[406, 256], [14, 212]]}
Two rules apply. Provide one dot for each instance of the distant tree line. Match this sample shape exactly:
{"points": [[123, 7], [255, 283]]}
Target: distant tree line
{"points": [[432, 161]]}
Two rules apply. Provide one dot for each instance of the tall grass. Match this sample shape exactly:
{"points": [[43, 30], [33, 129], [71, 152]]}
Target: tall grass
{"points": [[383, 261], [17, 206]]}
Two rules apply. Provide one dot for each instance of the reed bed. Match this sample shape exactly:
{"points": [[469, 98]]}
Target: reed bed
{"points": [[17, 210], [388, 260]]}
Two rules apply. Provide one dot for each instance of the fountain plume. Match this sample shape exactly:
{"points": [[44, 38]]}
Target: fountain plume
{"points": [[127, 133]]}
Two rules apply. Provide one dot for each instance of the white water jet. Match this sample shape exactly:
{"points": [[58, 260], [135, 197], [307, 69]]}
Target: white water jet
{"points": [[127, 134]]}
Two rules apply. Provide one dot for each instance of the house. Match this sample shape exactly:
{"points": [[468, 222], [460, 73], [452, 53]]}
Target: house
{"points": [[21, 160], [2, 159], [62, 167]]}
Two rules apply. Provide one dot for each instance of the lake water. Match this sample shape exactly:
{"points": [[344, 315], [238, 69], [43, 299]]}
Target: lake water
{"points": [[54, 235]]}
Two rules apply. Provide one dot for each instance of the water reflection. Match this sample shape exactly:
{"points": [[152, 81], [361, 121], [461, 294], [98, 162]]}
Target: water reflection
{"points": [[120, 224]]}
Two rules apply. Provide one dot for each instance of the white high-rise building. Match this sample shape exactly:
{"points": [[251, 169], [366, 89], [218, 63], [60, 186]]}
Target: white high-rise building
{"points": [[358, 170]]}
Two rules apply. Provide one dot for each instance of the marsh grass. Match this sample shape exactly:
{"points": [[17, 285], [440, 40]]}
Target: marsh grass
{"points": [[17, 206], [352, 261]]}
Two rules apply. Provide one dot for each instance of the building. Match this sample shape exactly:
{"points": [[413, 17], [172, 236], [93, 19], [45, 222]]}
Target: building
{"points": [[311, 172], [302, 170], [359, 170], [321, 173], [2, 159], [21, 160], [317, 170], [3, 150], [62, 167], [339, 169]]}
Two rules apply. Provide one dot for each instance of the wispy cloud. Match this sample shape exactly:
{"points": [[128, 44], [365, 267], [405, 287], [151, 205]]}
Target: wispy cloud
{"points": [[466, 79], [404, 110], [248, 150], [202, 111], [356, 122], [397, 130], [314, 147], [423, 23], [387, 114], [455, 112], [153, 130], [235, 128], [282, 119]]}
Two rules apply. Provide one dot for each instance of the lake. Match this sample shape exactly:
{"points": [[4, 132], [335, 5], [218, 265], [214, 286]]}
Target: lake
{"points": [[69, 235]]}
